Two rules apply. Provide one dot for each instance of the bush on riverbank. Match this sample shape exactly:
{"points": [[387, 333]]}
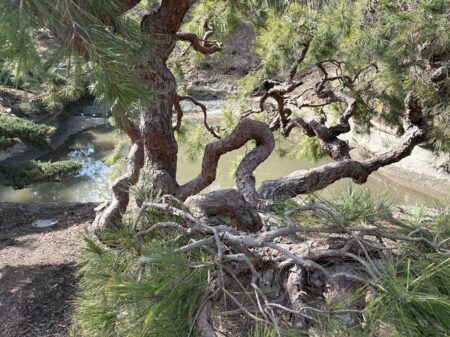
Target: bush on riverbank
{"points": [[33, 172]]}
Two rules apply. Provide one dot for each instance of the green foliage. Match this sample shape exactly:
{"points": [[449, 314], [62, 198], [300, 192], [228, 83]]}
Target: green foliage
{"points": [[34, 107], [280, 41], [33, 172], [118, 297], [196, 138], [90, 39], [309, 149], [415, 301], [355, 204], [115, 155], [228, 119], [251, 82], [417, 298], [33, 134], [6, 143], [404, 39]]}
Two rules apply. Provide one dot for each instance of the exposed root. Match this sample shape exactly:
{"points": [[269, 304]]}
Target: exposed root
{"points": [[288, 279]]}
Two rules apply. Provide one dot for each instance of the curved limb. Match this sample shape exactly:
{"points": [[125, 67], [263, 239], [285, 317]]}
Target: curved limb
{"points": [[201, 106], [180, 114], [246, 130], [112, 215], [312, 180], [203, 45]]}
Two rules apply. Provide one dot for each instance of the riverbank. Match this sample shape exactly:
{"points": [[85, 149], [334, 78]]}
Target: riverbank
{"points": [[76, 117]]}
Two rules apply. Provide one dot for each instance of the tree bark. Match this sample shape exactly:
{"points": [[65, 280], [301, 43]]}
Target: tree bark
{"points": [[316, 179], [160, 147], [112, 215], [246, 130]]}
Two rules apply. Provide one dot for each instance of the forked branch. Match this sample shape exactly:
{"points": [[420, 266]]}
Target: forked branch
{"points": [[309, 181], [246, 130]]}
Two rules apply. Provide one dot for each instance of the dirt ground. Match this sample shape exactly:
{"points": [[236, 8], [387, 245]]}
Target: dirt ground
{"points": [[37, 266]]}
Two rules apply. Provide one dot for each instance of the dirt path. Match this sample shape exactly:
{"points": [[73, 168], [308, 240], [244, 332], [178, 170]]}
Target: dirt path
{"points": [[37, 266]]}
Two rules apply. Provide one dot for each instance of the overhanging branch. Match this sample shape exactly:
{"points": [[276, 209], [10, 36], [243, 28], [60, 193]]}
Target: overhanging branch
{"points": [[316, 179]]}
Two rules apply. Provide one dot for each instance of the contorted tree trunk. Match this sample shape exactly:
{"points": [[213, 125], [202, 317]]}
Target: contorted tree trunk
{"points": [[155, 148]]}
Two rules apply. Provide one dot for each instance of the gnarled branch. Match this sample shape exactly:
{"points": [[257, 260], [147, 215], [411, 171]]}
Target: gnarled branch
{"points": [[312, 180], [179, 111], [201, 45], [246, 130]]}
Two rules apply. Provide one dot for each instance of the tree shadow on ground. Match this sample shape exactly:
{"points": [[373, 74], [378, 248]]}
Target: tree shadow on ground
{"points": [[36, 300], [16, 219]]}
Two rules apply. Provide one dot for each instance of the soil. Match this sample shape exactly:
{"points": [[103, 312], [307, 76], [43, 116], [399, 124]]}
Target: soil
{"points": [[37, 267]]}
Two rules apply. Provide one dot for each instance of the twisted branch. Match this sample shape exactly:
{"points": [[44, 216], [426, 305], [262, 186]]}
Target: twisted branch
{"points": [[180, 114], [246, 130], [312, 180], [203, 45]]}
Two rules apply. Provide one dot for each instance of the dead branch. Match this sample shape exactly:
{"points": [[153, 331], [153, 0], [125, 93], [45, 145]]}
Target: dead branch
{"points": [[204, 327]]}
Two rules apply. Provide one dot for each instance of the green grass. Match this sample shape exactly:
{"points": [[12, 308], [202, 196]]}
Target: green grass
{"points": [[355, 204]]}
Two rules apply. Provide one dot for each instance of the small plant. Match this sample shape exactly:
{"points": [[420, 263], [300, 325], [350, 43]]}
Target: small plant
{"points": [[354, 204]]}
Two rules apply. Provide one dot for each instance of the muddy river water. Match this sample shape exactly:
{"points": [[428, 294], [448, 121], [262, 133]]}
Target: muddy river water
{"points": [[93, 182]]}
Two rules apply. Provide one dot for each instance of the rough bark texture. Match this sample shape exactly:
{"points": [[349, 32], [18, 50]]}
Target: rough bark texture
{"points": [[154, 145], [159, 148], [315, 179], [246, 130], [121, 190], [226, 207]]}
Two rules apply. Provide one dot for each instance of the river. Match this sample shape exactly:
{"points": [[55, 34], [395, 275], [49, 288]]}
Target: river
{"points": [[93, 182]]}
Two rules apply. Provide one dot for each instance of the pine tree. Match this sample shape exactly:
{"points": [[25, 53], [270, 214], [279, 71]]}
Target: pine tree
{"points": [[14, 129], [367, 53], [381, 58]]}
